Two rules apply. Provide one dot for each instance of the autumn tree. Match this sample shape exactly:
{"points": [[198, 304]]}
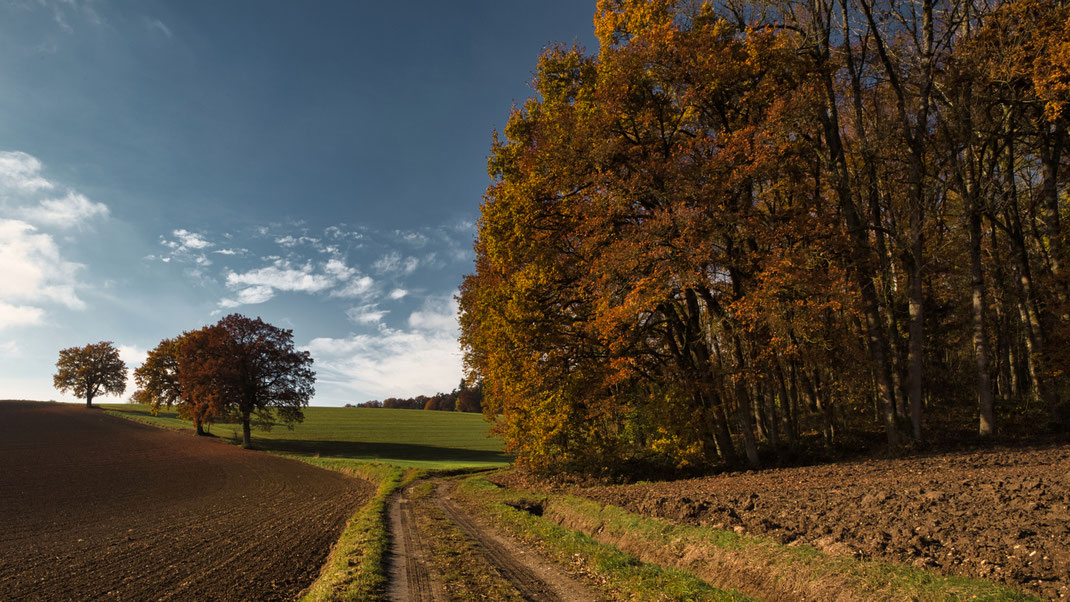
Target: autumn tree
{"points": [[159, 383], [89, 371], [737, 226], [245, 368]]}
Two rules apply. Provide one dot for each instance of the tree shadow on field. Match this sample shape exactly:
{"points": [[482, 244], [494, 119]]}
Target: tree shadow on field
{"points": [[380, 451]]}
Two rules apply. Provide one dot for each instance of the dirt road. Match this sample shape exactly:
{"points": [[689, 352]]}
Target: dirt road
{"points": [[441, 551], [95, 506]]}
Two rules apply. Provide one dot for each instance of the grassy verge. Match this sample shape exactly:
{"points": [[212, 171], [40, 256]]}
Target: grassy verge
{"points": [[761, 567], [355, 568], [620, 575]]}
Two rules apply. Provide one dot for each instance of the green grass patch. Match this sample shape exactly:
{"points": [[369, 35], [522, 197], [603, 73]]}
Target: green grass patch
{"points": [[758, 566], [623, 576], [355, 569], [408, 438]]}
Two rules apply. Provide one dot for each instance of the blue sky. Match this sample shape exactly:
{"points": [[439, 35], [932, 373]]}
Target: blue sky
{"points": [[317, 164]]}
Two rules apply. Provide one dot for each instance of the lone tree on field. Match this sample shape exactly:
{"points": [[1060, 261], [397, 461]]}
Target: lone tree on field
{"points": [[90, 371], [242, 367]]}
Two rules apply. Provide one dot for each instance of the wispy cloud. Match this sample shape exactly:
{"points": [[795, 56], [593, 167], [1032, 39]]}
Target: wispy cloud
{"points": [[366, 314], [260, 284], [189, 240], [355, 288], [394, 263], [159, 26], [422, 359], [33, 271], [19, 315], [282, 276], [26, 193], [389, 363], [22, 172], [438, 315], [74, 209]]}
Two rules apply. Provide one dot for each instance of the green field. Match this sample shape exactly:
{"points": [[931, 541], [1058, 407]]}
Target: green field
{"points": [[410, 438]]}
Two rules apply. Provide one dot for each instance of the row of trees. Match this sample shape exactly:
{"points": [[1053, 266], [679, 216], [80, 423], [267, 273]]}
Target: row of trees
{"points": [[735, 225], [461, 399], [235, 370]]}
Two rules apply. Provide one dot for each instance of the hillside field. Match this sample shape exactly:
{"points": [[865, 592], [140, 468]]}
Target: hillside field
{"points": [[409, 438]]}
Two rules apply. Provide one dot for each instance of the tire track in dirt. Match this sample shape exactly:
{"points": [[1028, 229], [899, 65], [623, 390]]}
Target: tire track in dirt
{"points": [[408, 574], [534, 578]]}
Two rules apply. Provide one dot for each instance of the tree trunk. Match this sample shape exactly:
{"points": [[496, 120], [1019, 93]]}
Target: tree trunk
{"points": [[750, 446], [1050, 155], [916, 348], [89, 400], [986, 425], [247, 440], [862, 269], [200, 428]]}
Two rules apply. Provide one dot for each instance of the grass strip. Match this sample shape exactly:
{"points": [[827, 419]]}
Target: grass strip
{"points": [[759, 566], [621, 576], [355, 568]]}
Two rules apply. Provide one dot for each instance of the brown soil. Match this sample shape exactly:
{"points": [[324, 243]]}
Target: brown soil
{"points": [[96, 506], [1000, 514], [410, 555], [442, 551]]}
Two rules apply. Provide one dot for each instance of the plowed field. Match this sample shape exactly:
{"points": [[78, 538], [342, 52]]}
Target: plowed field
{"points": [[94, 506], [1000, 514]]}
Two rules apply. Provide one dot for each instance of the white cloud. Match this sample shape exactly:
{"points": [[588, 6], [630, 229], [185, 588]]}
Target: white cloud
{"points": [[231, 251], [389, 363], [439, 315], [9, 349], [339, 269], [19, 315], [289, 241], [398, 293], [260, 284], [190, 240], [131, 354], [31, 268], [21, 171], [357, 287], [249, 296], [338, 233], [393, 262], [71, 210], [416, 239], [23, 190], [366, 314], [282, 276], [160, 26]]}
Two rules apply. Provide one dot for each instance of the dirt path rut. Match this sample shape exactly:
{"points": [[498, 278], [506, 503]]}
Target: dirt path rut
{"points": [[409, 576], [416, 574]]}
